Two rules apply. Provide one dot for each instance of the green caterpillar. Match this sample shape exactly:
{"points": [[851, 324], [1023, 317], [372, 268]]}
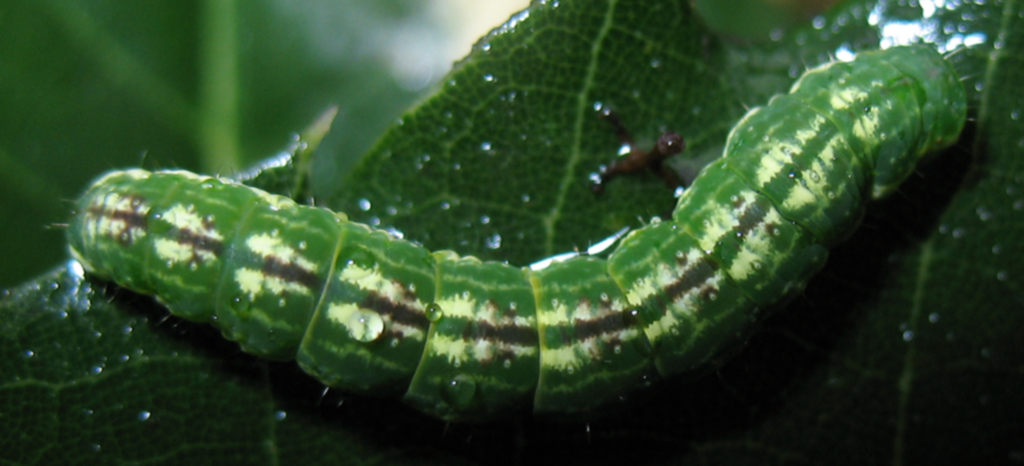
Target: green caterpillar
{"points": [[467, 340]]}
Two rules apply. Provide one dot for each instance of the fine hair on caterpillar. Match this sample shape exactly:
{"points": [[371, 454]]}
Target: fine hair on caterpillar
{"points": [[466, 340]]}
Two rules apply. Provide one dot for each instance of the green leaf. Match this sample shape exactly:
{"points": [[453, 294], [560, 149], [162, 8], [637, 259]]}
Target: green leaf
{"points": [[498, 162], [903, 350], [93, 86]]}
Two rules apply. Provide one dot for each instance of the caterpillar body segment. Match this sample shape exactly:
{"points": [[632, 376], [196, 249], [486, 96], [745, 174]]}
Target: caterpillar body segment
{"points": [[467, 340], [896, 105]]}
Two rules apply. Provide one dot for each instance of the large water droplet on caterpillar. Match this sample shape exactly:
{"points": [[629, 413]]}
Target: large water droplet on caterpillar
{"points": [[434, 312], [156, 224], [365, 325]]}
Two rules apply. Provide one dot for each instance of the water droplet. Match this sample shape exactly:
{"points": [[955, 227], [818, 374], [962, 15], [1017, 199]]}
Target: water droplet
{"points": [[493, 241], [959, 233], [655, 63], [933, 317], [365, 325], [598, 106], [434, 312], [997, 249], [1015, 115], [460, 391], [280, 415], [1002, 275], [240, 304], [908, 335], [144, 415], [445, 205], [983, 213], [156, 224], [75, 270], [365, 205], [485, 146], [489, 78]]}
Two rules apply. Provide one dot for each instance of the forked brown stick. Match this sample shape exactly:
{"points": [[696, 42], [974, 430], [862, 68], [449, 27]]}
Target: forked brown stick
{"points": [[670, 143]]}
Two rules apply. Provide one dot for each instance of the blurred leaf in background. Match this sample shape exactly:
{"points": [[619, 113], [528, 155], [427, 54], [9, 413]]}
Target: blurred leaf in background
{"points": [[759, 18], [206, 85]]}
